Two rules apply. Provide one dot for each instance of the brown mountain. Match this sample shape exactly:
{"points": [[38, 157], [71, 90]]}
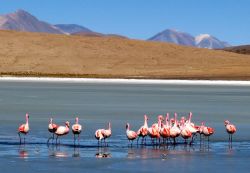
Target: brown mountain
{"points": [[244, 49], [24, 21], [42, 54]]}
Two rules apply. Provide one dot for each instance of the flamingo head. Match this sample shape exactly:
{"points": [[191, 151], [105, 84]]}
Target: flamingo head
{"points": [[172, 120], [77, 119], [145, 117], [160, 117], [51, 120], [27, 115], [67, 123], [226, 122], [202, 123], [183, 119], [167, 116]]}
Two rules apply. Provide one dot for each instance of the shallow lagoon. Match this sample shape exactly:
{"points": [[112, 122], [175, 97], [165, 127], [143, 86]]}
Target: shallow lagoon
{"points": [[96, 104]]}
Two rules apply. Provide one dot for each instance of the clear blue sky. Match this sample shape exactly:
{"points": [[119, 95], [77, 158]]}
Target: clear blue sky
{"points": [[229, 20]]}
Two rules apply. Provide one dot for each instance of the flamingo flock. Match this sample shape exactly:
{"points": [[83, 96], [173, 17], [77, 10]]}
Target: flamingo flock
{"points": [[165, 130]]}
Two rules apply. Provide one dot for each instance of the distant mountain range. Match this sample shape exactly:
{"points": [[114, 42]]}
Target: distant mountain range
{"points": [[182, 38], [24, 21]]}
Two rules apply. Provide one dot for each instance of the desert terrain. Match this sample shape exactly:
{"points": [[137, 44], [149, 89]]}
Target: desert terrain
{"points": [[56, 55]]}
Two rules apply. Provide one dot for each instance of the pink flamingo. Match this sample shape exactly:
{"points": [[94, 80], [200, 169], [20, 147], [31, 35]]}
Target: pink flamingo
{"points": [[52, 129], [154, 131], [175, 130], [76, 129], [131, 135], [24, 128], [107, 132], [191, 127], [206, 131], [165, 130], [231, 129], [143, 131], [185, 132], [62, 130], [99, 135]]}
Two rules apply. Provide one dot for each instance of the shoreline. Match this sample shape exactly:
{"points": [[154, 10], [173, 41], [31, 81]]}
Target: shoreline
{"points": [[125, 81]]}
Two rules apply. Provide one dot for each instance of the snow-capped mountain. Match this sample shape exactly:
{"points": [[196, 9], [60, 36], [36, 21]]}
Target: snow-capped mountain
{"points": [[73, 28], [182, 38], [24, 21], [210, 42], [174, 36]]}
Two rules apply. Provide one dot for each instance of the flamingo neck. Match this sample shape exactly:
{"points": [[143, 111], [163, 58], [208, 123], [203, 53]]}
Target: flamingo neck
{"points": [[77, 120], [190, 117], [109, 126], [128, 127], [167, 117], [27, 120], [159, 123], [175, 119], [145, 122]]}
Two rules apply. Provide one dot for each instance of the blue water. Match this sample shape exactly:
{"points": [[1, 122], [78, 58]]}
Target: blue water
{"points": [[97, 104]]}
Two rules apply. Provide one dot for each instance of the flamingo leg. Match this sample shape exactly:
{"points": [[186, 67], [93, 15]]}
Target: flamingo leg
{"points": [[78, 139], [74, 139], [49, 139], [56, 139], [19, 137]]}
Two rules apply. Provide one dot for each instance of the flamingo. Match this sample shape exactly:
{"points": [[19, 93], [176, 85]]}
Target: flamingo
{"points": [[175, 130], [24, 128], [185, 132], [154, 130], [131, 135], [62, 130], [191, 127], [76, 129], [99, 135], [231, 129], [143, 131], [107, 132], [165, 130], [206, 131], [52, 129]]}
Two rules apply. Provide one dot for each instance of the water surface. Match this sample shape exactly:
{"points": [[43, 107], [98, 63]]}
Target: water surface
{"points": [[97, 104]]}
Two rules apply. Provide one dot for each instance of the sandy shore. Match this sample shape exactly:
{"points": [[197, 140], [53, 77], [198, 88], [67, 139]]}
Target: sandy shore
{"points": [[126, 81]]}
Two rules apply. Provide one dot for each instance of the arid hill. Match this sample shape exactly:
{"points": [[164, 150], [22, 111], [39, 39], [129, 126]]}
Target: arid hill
{"points": [[40, 54]]}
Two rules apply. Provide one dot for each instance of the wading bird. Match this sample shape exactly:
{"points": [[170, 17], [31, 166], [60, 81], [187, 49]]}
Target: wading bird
{"points": [[62, 130], [99, 135], [165, 129], [206, 131], [175, 130], [76, 129], [52, 129], [231, 129], [131, 135], [24, 128], [143, 131], [107, 132]]}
